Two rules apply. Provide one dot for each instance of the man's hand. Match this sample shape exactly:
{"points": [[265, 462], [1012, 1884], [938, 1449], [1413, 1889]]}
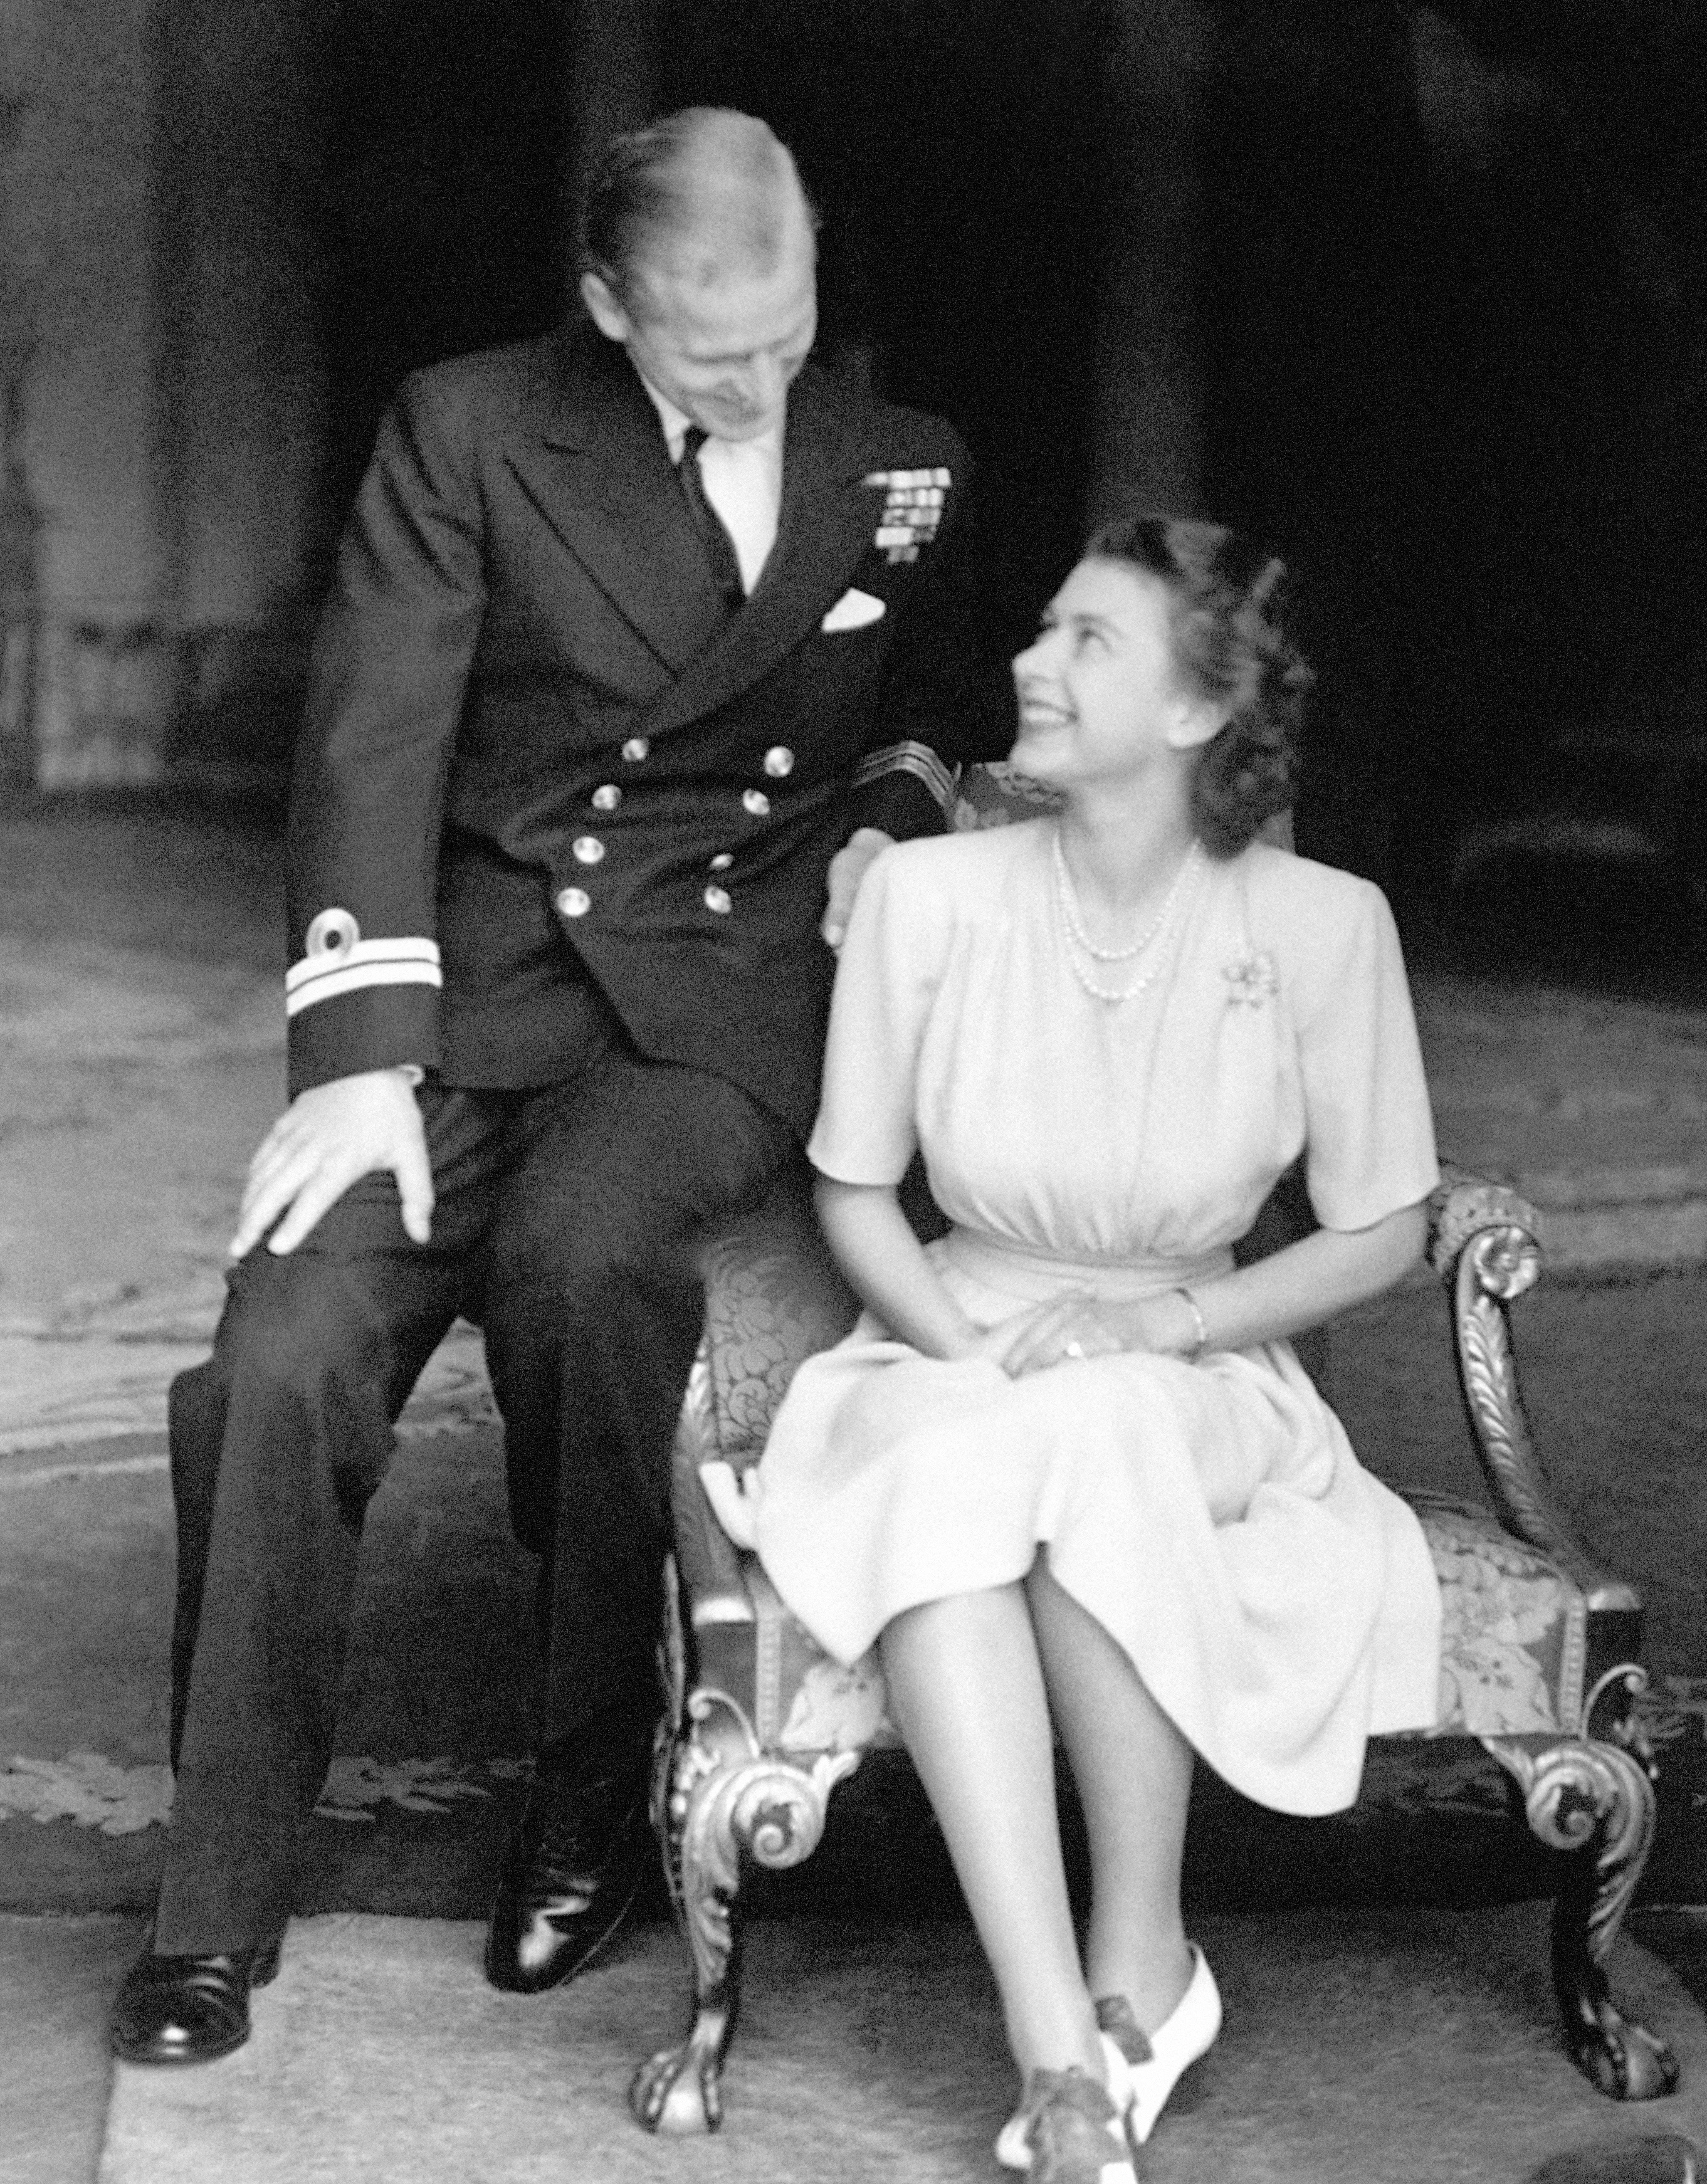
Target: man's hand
{"points": [[847, 869], [327, 1138]]}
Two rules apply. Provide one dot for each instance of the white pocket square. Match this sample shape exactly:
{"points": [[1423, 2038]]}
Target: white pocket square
{"points": [[853, 610]]}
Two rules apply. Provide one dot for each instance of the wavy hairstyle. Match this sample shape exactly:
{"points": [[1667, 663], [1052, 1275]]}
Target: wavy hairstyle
{"points": [[1226, 603]]}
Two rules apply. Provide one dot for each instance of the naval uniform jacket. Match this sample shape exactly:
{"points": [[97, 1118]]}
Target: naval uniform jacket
{"points": [[537, 749]]}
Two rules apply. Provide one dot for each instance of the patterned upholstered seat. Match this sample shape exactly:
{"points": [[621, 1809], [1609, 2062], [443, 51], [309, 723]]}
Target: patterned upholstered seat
{"points": [[1513, 1654], [1538, 1658], [1515, 1624]]}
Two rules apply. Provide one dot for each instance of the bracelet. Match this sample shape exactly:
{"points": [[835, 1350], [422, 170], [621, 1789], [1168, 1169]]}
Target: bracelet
{"points": [[1197, 1348]]}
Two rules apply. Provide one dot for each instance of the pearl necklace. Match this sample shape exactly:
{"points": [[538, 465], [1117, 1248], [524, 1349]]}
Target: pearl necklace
{"points": [[1161, 926], [1069, 907]]}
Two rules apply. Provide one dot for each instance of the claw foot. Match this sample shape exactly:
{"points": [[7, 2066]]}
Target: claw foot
{"points": [[1618, 2054], [677, 2093]]}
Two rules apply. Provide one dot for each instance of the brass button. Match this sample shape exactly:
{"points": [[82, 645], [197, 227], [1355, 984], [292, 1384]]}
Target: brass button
{"points": [[756, 801], [721, 862], [779, 762], [333, 932], [606, 797], [589, 849], [635, 749], [574, 902], [717, 899]]}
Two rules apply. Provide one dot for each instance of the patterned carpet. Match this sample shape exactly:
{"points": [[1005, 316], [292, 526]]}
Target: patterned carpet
{"points": [[1413, 2047]]}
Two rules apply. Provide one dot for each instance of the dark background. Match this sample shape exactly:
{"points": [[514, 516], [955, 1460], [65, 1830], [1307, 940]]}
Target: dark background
{"points": [[1446, 329]]}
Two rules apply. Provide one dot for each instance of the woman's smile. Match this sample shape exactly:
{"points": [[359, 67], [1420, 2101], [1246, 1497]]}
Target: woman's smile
{"points": [[1036, 712], [1099, 697]]}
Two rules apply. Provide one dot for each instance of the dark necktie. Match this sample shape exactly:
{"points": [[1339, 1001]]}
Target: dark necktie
{"points": [[720, 548]]}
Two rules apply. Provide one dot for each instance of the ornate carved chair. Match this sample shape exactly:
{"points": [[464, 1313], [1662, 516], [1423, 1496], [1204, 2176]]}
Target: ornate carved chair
{"points": [[1537, 1665]]}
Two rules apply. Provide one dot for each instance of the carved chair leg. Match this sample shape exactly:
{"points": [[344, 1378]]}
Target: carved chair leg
{"points": [[726, 1802], [677, 2091], [1595, 1800]]}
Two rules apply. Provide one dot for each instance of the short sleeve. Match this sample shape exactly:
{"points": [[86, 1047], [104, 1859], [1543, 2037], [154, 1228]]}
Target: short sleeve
{"points": [[887, 978], [1369, 1145]]}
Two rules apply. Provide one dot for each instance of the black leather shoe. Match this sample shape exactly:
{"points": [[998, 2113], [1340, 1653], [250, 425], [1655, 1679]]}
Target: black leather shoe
{"points": [[572, 1872], [188, 2010]]}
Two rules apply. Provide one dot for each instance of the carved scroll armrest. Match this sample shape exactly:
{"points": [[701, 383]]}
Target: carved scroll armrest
{"points": [[1483, 1243], [1466, 1205]]}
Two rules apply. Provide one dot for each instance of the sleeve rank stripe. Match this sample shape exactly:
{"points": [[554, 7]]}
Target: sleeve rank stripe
{"points": [[909, 758], [412, 948], [333, 971], [352, 979]]}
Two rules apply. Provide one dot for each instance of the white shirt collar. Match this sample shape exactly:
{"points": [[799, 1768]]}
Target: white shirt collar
{"points": [[743, 480], [675, 422]]}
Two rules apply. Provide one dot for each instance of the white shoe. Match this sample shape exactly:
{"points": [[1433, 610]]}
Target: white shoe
{"points": [[1156, 2061], [1013, 2142]]}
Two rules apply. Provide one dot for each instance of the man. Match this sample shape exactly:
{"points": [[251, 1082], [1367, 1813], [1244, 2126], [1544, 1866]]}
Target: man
{"points": [[643, 641]]}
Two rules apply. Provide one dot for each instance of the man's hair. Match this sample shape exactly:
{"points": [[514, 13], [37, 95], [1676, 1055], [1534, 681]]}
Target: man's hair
{"points": [[1232, 648], [706, 193]]}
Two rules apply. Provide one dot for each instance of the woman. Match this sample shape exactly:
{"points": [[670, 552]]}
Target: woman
{"points": [[1066, 1472]]}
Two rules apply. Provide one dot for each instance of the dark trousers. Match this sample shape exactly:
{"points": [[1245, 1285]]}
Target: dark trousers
{"points": [[566, 1222]]}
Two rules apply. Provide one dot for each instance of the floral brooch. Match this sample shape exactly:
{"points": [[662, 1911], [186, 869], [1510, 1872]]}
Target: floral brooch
{"points": [[1251, 980]]}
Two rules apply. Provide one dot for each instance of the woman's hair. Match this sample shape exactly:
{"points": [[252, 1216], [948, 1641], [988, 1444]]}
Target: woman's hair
{"points": [[1232, 648]]}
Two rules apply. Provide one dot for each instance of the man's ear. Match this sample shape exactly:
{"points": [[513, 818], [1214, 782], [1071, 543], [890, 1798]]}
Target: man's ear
{"points": [[603, 308]]}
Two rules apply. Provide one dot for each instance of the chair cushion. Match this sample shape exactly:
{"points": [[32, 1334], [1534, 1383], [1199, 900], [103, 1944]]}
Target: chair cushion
{"points": [[1514, 1640], [1514, 1627]]}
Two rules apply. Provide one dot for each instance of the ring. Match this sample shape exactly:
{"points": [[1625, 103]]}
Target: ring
{"points": [[1072, 1349]]}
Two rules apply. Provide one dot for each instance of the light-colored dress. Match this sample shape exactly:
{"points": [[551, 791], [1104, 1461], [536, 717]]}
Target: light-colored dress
{"points": [[1279, 1602]]}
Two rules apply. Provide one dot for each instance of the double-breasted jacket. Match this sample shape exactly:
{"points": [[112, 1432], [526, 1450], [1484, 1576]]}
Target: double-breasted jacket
{"points": [[537, 748]]}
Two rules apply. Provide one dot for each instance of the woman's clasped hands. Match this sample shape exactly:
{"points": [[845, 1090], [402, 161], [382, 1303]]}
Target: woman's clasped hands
{"points": [[1077, 1324]]}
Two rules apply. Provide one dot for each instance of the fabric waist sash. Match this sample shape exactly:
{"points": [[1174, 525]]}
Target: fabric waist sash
{"points": [[1032, 1275]]}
